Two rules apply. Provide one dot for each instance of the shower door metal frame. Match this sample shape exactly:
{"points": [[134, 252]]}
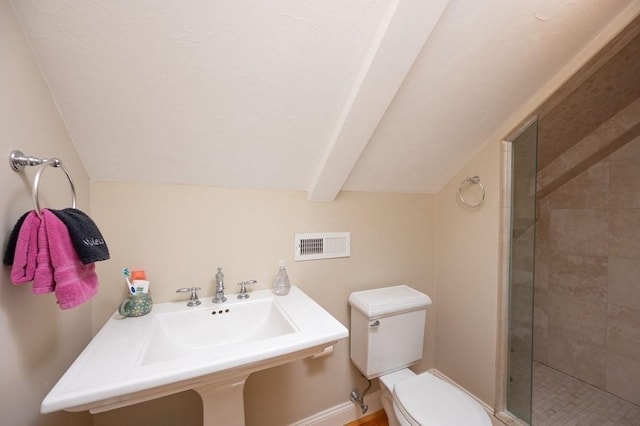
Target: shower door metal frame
{"points": [[504, 344]]}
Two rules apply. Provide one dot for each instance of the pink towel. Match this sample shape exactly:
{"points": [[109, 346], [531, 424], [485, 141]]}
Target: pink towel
{"points": [[75, 283], [24, 261], [43, 281]]}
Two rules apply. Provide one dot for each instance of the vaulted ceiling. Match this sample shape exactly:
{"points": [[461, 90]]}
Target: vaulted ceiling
{"points": [[316, 96]]}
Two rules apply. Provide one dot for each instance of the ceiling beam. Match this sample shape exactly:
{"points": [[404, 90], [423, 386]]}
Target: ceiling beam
{"points": [[405, 28]]}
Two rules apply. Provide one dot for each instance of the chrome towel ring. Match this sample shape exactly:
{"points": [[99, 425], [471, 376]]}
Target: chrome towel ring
{"points": [[18, 161], [474, 180]]}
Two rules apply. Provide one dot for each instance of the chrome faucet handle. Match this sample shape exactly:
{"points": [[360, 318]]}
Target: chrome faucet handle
{"points": [[243, 289], [193, 297]]}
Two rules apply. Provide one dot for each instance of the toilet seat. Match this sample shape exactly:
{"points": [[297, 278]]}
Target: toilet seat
{"points": [[425, 400]]}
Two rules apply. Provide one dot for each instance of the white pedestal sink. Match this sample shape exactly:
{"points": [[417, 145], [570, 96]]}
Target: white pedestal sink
{"points": [[211, 349]]}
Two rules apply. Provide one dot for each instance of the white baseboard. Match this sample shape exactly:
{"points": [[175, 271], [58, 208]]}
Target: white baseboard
{"points": [[342, 414]]}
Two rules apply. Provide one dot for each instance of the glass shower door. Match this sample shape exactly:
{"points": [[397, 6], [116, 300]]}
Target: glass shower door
{"points": [[521, 272]]}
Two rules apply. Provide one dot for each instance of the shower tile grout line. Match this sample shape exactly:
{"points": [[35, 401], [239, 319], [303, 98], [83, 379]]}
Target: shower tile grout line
{"points": [[559, 399]]}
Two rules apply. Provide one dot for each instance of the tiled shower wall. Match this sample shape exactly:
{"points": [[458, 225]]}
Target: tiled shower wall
{"points": [[587, 283]]}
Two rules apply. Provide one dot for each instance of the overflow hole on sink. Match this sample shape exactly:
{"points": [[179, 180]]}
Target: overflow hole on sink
{"points": [[220, 312]]}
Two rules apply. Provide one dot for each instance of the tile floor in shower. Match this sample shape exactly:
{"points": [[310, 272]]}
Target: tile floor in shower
{"points": [[559, 400]]}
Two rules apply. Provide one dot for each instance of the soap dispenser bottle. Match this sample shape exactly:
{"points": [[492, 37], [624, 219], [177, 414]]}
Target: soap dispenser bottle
{"points": [[282, 284]]}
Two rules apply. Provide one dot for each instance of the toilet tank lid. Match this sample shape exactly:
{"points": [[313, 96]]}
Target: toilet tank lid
{"points": [[388, 300]]}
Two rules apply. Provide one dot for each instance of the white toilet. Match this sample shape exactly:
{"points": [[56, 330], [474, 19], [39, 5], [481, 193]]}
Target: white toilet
{"points": [[387, 333]]}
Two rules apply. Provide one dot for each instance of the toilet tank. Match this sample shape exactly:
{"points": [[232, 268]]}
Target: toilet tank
{"points": [[387, 328]]}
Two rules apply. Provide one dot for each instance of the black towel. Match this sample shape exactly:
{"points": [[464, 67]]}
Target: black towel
{"points": [[85, 235], [13, 238]]}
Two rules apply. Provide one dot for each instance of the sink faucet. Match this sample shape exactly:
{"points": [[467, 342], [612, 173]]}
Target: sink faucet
{"points": [[219, 297], [193, 298], [243, 289]]}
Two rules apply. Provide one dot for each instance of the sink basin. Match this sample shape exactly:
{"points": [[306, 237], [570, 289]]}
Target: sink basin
{"points": [[203, 330], [211, 349]]}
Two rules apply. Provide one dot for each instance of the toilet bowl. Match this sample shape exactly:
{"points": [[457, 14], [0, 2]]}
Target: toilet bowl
{"points": [[387, 333], [387, 385], [426, 400]]}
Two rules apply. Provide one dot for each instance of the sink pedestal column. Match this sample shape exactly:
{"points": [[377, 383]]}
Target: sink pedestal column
{"points": [[223, 402]]}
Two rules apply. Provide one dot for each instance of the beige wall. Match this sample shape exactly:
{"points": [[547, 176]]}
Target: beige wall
{"points": [[466, 277], [180, 234], [39, 341]]}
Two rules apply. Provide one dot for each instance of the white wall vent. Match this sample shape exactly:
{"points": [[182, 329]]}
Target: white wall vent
{"points": [[322, 245]]}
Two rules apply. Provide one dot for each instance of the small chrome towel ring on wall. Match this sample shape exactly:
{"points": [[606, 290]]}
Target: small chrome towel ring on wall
{"points": [[18, 161], [471, 181]]}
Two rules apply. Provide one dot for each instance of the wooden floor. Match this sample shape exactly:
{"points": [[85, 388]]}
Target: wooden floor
{"points": [[379, 418]]}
